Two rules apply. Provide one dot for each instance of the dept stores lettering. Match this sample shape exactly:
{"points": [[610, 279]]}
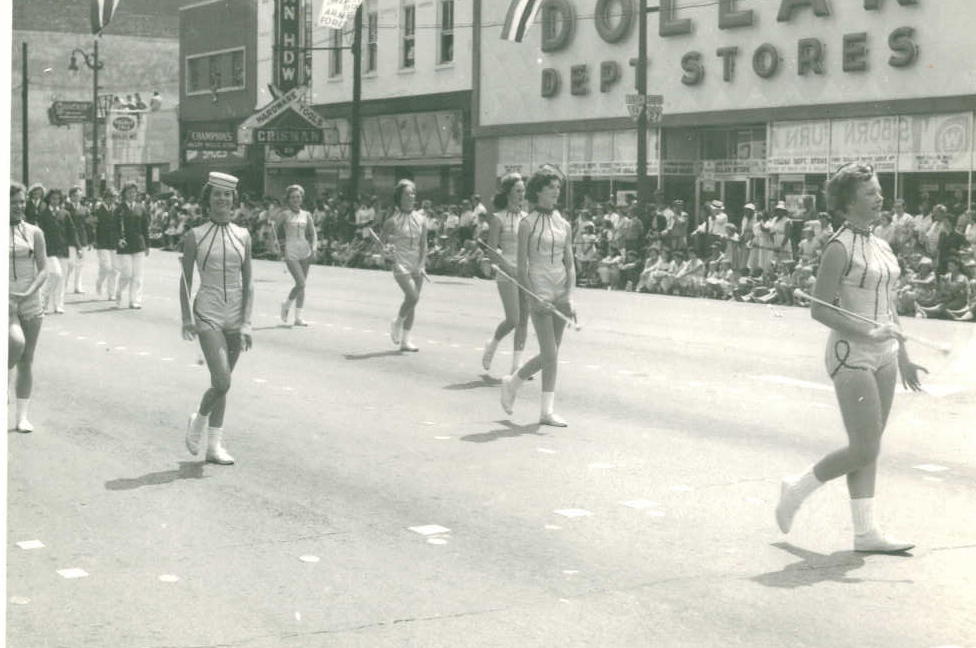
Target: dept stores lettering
{"points": [[724, 55]]}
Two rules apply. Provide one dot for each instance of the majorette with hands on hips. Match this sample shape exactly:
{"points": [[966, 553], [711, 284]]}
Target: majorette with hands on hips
{"points": [[404, 238], [858, 273], [298, 231], [25, 313], [220, 316], [502, 250], [546, 270]]}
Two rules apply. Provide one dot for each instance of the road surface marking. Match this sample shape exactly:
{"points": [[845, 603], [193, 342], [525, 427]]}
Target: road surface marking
{"points": [[298, 616], [166, 359], [144, 353], [455, 346], [573, 513], [119, 348], [933, 479], [443, 438], [931, 468], [287, 389], [552, 527], [640, 504], [101, 343], [437, 541], [655, 514], [73, 572], [546, 451], [427, 423], [308, 558], [592, 366], [570, 572], [429, 529], [81, 337], [19, 600], [259, 381], [30, 544], [169, 578]]}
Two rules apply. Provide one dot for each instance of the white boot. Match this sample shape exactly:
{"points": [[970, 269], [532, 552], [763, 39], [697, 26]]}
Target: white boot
{"points": [[215, 448], [490, 347], [867, 536], [793, 490], [510, 387], [23, 425], [396, 329], [516, 361], [405, 343], [298, 318], [548, 416], [194, 432], [285, 307]]}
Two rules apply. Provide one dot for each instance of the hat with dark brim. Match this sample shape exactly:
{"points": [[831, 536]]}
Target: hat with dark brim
{"points": [[219, 180]]}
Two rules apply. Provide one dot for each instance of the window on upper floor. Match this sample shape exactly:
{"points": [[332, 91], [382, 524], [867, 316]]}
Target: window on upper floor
{"points": [[445, 23], [408, 29], [335, 56], [372, 37], [215, 71]]}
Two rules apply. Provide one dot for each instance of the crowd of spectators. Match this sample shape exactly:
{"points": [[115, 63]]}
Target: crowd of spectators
{"points": [[763, 256]]}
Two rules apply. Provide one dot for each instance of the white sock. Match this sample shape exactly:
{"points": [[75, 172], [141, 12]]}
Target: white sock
{"points": [[23, 406], [298, 313], [548, 402], [214, 437], [516, 361], [805, 484], [405, 337], [862, 513]]}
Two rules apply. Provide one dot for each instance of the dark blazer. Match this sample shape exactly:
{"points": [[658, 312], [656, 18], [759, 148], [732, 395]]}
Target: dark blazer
{"points": [[32, 214], [107, 232], [134, 228], [59, 233], [79, 216]]}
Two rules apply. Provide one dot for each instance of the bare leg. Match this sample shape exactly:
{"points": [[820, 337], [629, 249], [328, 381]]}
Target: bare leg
{"points": [[549, 331], [221, 352], [25, 363], [297, 293], [410, 285], [15, 341], [510, 301]]}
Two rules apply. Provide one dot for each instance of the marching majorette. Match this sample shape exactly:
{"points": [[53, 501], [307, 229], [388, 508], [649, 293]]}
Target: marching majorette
{"points": [[296, 227], [220, 316], [404, 238]]}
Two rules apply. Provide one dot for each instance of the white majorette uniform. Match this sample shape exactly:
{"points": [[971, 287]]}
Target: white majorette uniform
{"points": [[547, 245], [508, 239], [296, 235], [404, 235], [219, 304], [23, 270], [867, 288]]}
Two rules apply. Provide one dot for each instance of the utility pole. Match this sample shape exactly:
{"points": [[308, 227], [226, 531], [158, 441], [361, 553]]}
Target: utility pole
{"points": [[357, 95], [94, 183], [643, 190], [24, 129]]}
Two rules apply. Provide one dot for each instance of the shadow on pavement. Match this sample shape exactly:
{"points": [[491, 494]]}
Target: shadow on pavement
{"points": [[187, 470], [483, 381], [271, 328], [815, 568], [509, 431], [369, 356], [110, 309]]}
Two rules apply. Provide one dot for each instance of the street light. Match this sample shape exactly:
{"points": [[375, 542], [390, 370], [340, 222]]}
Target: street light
{"points": [[93, 64]]}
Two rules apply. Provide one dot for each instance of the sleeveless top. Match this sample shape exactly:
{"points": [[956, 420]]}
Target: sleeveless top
{"points": [[220, 256], [404, 234], [870, 278], [23, 271], [508, 236], [296, 235], [546, 247]]}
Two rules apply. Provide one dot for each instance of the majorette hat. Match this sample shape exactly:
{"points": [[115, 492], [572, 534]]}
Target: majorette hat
{"points": [[219, 180]]}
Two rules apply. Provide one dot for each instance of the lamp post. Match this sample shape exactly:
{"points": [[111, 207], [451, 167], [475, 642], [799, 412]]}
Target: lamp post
{"points": [[94, 65]]}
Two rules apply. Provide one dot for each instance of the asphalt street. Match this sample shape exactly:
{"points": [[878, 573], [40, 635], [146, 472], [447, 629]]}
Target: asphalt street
{"points": [[384, 499]]}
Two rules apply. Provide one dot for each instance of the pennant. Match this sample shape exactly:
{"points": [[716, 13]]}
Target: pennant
{"points": [[101, 14], [521, 14]]}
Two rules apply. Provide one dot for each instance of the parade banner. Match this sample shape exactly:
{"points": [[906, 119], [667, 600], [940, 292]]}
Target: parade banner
{"points": [[336, 13], [799, 147], [126, 138], [873, 140]]}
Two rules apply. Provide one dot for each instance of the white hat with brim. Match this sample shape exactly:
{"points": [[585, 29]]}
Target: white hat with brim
{"points": [[219, 180]]}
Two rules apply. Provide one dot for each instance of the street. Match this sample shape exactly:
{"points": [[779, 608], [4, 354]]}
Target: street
{"points": [[647, 522]]}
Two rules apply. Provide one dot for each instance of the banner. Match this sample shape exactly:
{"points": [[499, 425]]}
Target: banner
{"points": [[869, 139], [799, 147], [336, 13], [126, 138], [935, 142]]}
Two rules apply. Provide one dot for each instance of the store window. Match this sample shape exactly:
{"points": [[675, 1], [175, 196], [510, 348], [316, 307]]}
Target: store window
{"points": [[372, 37], [335, 55], [408, 29], [215, 71], [445, 43]]}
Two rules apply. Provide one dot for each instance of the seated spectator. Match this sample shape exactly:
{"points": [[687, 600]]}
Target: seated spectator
{"points": [[690, 277], [952, 293], [630, 270], [918, 287], [662, 273], [609, 268], [720, 282], [809, 247]]}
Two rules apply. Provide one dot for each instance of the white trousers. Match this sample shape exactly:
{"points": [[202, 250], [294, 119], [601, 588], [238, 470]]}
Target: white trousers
{"points": [[130, 277], [73, 271], [54, 286], [108, 274]]}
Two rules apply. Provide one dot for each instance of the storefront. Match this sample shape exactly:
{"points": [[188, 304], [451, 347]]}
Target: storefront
{"points": [[760, 101]]}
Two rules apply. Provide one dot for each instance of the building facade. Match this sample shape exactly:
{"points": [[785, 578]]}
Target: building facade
{"points": [[416, 100], [218, 61], [760, 100], [141, 61]]}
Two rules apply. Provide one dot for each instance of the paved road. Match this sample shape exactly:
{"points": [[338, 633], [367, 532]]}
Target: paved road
{"points": [[684, 415]]}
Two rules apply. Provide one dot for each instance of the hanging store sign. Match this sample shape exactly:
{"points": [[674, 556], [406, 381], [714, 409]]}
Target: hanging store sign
{"points": [[70, 112], [209, 138], [289, 64], [936, 142], [336, 13], [289, 136]]}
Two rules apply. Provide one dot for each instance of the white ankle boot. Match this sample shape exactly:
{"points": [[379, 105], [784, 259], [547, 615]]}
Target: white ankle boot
{"points": [[867, 536], [194, 432], [215, 448]]}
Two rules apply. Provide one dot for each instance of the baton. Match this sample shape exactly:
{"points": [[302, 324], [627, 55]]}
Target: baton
{"points": [[376, 238], [571, 321], [942, 348]]}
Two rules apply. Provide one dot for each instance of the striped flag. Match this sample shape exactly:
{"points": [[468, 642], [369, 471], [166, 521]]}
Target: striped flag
{"points": [[101, 14], [521, 14]]}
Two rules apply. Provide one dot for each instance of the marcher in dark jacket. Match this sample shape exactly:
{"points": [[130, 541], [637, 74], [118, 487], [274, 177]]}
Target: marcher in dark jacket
{"points": [[107, 235], [78, 212], [133, 218], [59, 233], [35, 203]]}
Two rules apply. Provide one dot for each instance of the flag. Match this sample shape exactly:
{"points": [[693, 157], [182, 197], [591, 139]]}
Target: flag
{"points": [[101, 14], [521, 14], [336, 13]]}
